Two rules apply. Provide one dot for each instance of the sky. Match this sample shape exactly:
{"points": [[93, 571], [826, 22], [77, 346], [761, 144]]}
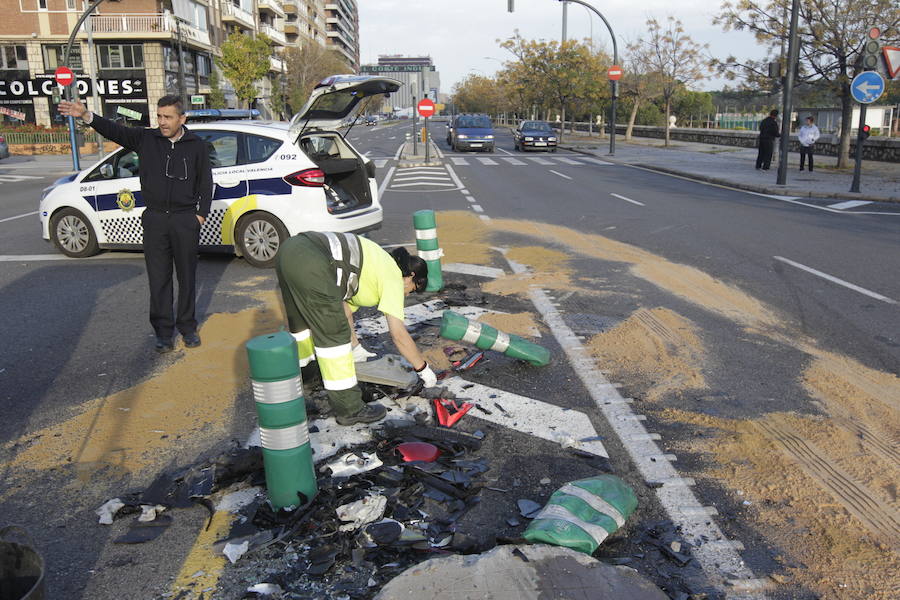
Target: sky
{"points": [[461, 35]]}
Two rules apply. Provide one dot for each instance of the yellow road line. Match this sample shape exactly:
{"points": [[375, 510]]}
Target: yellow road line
{"points": [[203, 559]]}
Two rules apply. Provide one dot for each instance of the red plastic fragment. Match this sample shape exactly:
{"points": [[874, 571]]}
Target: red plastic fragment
{"points": [[444, 416], [418, 451]]}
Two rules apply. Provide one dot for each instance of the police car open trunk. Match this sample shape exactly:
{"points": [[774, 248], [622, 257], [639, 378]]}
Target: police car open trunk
{"points": [[346, 175]]}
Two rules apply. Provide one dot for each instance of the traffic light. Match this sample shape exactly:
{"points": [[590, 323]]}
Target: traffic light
{"points": [[865, 132], [871, 50]]}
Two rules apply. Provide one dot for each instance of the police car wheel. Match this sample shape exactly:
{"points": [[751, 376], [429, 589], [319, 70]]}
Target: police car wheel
{"points": [[260, 235], [72, 234]]}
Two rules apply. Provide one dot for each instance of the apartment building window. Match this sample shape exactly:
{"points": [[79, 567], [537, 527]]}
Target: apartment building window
{"points": [[42, 4], [121, 56], [192, 12], [54, 57], [14, 58], [70, 4]]}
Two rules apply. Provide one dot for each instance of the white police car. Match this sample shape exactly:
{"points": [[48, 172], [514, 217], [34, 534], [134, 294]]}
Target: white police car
{"points": [[271, 180]]}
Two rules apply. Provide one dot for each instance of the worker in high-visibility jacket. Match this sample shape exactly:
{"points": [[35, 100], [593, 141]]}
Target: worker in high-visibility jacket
{"points": [[324, 277]]}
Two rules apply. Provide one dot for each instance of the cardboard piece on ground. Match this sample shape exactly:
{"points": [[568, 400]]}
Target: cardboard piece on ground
{"points": [[387, 370]]}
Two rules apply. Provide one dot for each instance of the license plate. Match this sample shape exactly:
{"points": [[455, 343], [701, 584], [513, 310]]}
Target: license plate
{"points": [[478, 145], [540, 143]]}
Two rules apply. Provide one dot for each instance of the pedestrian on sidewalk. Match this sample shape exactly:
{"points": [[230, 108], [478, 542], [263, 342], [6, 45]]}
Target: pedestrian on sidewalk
{"points": [[768, 131], [176, 187], [324, 277], [808, 136]]}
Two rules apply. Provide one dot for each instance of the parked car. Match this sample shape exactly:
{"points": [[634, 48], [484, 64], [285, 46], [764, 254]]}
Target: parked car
{"points": [[472, 132], [271, 180], [534, 135], [4, 148]]}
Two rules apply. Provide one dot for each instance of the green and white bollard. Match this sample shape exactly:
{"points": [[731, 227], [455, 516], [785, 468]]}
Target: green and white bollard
{"points": [[278, 392], [428, 248], [458, 328]]}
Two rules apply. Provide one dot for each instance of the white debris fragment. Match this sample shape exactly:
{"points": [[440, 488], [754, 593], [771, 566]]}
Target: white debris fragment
{"points": [[235, 501], [265, 589], [353, 463], [361, 512], [235, 551], [150, 512], [109, 510]]}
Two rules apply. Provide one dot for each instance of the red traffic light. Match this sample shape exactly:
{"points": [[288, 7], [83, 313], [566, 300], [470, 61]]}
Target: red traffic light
{"points": [[866, 132], [874, 33]]}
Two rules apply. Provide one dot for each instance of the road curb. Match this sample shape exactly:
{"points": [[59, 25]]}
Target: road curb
{"points": [[759, 189]]}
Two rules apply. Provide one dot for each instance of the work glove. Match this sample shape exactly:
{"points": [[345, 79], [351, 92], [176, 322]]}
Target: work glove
{"points": [[427, 376], [360, 354]]}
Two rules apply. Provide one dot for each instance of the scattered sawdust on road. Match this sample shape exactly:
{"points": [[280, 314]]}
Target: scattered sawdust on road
{"points": [[187, 405], [463, 237], [824, 548], [656, 347], [521, 324]]}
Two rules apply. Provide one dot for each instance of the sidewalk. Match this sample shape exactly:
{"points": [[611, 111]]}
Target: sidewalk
{"points": [[735, 167]]}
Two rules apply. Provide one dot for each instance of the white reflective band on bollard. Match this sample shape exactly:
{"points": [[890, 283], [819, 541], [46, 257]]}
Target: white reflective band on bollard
{"points": [[286, 438], [426, 234], [276, 392], [431, 254], [473, 332], [501, 343]]}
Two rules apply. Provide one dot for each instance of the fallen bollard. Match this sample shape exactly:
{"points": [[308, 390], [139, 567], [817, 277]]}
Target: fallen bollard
{"points": [[581, 514], [458, 328], [278, 392], [428, 248]]}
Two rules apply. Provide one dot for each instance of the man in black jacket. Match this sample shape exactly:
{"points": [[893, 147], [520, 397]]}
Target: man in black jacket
{"points": [[768, 131], [176, 187]]}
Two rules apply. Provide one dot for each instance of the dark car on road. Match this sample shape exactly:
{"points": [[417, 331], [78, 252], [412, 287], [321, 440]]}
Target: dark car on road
{"points": [[534, 135], [471, 132]]}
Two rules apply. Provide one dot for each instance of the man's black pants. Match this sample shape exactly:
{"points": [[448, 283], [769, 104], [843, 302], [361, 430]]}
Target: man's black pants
{"points": [[764, 156], [806, 151], [171, 239]]}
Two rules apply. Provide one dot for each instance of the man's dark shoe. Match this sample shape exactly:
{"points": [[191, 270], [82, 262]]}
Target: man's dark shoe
{"points": [[163, 345], [191, 340], [368, 414]]}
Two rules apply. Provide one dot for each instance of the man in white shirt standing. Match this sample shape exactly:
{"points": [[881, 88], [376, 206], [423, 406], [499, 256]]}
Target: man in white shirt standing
{"points": [[808, 136]]}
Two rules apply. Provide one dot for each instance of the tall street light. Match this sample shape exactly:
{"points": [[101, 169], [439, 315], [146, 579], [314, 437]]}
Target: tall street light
{"points": [[614, 85]]}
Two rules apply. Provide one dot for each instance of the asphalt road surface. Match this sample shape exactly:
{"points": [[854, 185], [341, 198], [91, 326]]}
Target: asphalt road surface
{"points": [[737, 296]]}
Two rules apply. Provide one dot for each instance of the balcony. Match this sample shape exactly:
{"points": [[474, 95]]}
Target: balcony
{"points": [[291, 6], [273, 6], [292, 27], [276, 64], [146, 26], [273, 34], [235, 15]]}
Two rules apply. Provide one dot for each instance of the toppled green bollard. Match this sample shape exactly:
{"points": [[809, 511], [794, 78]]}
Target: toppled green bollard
{"points": [[581, 514], [428, 248], [458, 328], [278, 392]]}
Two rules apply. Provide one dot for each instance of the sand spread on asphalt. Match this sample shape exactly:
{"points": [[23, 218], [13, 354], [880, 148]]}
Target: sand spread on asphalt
{"points": [[187, 405], [522, 324], [463, 239], [824, 549], [656, 347]]}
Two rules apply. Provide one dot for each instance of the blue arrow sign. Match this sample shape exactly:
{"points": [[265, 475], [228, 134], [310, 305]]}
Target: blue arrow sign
{"points": [[867, 87]]}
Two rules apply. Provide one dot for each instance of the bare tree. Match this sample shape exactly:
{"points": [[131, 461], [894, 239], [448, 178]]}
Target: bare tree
{"points": [[831, 35], [677, 59], [307, 65], [639, 83]]}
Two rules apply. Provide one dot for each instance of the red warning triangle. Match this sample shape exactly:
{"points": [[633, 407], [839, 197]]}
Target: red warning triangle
{"points": [[892, 60]]}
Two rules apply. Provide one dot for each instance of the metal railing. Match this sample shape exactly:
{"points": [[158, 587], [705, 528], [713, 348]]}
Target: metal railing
{"points": [[276, 64], [35, 138], [146, 23], [273, 34], [230, 10]]}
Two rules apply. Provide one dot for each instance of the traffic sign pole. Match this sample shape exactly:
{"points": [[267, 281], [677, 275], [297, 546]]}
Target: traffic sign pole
{"points": [[857, 167]]}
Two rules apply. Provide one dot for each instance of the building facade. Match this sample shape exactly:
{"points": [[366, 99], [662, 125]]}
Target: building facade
{"points": [[418, 74], [126, 55]]}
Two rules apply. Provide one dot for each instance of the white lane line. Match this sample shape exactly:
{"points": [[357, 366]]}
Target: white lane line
{"points": [[504, 151], [18, 216], [514, 161], [569, 428], [437, 149], [384, 183], [366, 154], [479, 270], [400, 177], [455, 178], [379, 163], [540, 161], [425, 170], [484, 217], [418, 313], [487, 161], [560, 174], [627, 199], [399, 150], [459, 161], [721, 562], [477, 208], [393, 137], [834, 279], [424, 183], [849, 204]]}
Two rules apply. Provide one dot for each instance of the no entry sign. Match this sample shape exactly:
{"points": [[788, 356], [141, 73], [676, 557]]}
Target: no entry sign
{"points": [[425, 107], [614, 73], [64, 76]]}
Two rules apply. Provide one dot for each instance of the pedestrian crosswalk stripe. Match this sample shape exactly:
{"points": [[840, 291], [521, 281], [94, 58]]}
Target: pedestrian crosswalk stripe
{"points": [[437, 183], [458, 160], [487, 161], [512, 161], [567, 161], [540, 161], [429, 177]]}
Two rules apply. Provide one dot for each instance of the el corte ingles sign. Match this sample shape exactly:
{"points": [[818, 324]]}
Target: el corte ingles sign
{"points": [[44, 85]]}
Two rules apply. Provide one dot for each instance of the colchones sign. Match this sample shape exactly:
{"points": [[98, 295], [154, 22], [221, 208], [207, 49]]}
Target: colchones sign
{"points": [[18, 89]]}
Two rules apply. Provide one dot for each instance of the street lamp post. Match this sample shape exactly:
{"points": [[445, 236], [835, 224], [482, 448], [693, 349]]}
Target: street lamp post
{"points": [[614, 85]]}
